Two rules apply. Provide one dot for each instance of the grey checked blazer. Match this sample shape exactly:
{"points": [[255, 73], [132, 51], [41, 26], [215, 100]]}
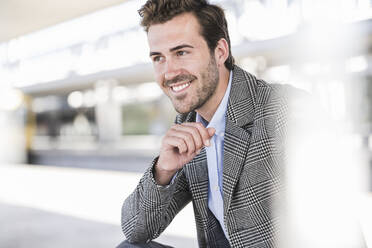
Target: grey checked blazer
{"points": [[253, 154]]}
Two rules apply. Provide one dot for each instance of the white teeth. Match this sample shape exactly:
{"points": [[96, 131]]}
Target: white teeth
{"points": [[180, 87]]}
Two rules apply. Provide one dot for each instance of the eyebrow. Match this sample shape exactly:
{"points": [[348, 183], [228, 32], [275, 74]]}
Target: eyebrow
{"points": [[180, 47], [172, 49]]}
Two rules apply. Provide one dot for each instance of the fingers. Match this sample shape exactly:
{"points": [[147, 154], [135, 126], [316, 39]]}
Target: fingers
{"points": [[193, 136], [186, 137], [211, 131], [204, 133], [190, 135], [174, 141]]}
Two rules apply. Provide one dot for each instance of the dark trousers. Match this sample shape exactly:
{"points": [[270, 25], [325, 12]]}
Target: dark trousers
{"points": [[151, 244]]}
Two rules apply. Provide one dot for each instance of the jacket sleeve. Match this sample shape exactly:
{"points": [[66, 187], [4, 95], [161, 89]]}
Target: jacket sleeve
{"points": [[151, 208]]}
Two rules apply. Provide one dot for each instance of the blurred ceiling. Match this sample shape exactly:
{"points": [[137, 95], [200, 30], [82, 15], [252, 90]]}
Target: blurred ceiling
{"points": [[18, 17]]}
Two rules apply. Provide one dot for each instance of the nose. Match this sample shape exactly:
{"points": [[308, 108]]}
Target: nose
{"points": [[171, 70]]}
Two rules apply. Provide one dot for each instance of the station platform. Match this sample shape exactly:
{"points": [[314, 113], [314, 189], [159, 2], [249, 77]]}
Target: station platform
{"points": [[46, 206]]}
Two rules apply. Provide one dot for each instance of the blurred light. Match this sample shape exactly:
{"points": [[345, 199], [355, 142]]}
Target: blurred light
{"points": [[249, 64], [232, 22], [102, 92], [3, 53], [89, 99], [75, 99], [337, 102], [357, 64], [148, 92], [280, 73], [135, 39], [123, 94], [312, 69], [318, 11], [74, 46], [260, 23], [10, 99], [121, 51], [324, 178], [254, 65], [88, 63], [364, 10], [81, 125], [6, 76], [107, 21]]}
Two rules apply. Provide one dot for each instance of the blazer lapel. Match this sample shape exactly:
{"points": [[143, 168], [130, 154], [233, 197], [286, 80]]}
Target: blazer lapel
{"points": [[197, 174], [239, 121]]}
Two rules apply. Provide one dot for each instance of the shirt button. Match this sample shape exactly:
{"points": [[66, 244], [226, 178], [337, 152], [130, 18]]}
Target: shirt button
{"points": [[216, 188]]}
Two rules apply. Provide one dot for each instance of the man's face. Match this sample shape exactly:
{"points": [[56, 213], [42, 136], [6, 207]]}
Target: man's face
{"points": [[184, 67]]}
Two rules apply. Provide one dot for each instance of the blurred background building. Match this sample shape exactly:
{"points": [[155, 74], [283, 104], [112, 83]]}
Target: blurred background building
{"points": [[77, 87]]}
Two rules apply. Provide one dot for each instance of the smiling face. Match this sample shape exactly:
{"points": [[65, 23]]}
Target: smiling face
{"points": [[184, 67]]}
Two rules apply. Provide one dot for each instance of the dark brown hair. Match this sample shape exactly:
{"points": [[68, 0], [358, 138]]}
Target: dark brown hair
{"points": [[211, 19]]}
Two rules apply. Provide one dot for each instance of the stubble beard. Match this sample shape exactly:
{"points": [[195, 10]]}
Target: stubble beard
{"points": [[209, 80]]}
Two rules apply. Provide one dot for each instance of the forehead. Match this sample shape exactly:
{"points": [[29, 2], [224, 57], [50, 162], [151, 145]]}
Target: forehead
{"points": [[179, 30]]}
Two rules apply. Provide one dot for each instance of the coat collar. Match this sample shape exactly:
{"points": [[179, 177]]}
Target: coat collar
{"points": [[240, 109]]}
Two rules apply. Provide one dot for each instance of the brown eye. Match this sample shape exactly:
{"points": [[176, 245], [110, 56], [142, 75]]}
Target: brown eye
{"points": [[157, 58], [181, 53]]}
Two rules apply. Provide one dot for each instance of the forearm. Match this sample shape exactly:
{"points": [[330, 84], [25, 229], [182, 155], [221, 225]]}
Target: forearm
{"points": [[146, 213]]}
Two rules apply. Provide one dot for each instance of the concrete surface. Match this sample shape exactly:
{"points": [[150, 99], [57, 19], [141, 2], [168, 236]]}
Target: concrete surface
{"points": [[53, 207]]}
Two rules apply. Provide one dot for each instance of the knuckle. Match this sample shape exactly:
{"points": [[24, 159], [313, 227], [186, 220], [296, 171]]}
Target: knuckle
{"points": [[199, 142], [189, 137], [198, 124], [193, 130]]}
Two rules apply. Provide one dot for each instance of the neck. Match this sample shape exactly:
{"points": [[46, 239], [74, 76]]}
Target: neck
{"points": [[210, 107]]}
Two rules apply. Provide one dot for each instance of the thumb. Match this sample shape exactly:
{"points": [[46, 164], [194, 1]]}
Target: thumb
{"points": [[211, 131]]}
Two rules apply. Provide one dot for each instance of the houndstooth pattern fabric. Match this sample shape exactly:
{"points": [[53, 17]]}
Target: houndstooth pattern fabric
{"points": [[253, 155]]}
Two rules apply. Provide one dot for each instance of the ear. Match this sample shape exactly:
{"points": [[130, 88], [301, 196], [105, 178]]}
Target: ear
{"points": [[221, 52]]}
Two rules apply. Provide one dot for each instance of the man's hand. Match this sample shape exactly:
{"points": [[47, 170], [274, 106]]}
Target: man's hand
{"points": [[179, 146]]}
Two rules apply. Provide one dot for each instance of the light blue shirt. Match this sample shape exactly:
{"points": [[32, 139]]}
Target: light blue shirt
{"points": [[215, 157]]}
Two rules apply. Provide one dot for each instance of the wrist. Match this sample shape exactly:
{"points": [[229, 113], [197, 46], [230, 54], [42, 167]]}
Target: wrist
{"points": [[163, 176], [164, 167]]}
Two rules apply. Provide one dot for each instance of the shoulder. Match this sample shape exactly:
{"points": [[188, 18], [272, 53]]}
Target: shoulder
{"points": [[264, 91], [259, 91], [277, 103]]}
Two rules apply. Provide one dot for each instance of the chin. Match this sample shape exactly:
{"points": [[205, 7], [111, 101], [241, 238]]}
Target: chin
{"points": [[182, 109]]}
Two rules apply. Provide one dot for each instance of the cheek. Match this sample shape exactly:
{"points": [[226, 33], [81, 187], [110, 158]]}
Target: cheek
{"points": [[159, 78], [199, 66], [160, 83], [157, 72]]}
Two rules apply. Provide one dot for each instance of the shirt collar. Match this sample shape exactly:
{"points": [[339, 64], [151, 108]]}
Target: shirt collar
{"points": [[218, 119]]}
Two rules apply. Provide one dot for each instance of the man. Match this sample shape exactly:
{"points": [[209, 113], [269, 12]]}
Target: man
{"points": [[224, 151]]}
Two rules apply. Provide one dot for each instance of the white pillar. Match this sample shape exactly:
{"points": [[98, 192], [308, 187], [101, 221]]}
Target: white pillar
{"points": [[108, 112], [12, 138]]}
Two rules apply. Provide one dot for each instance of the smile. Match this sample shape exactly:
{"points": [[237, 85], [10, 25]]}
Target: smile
{"points": [[180, 87]]}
